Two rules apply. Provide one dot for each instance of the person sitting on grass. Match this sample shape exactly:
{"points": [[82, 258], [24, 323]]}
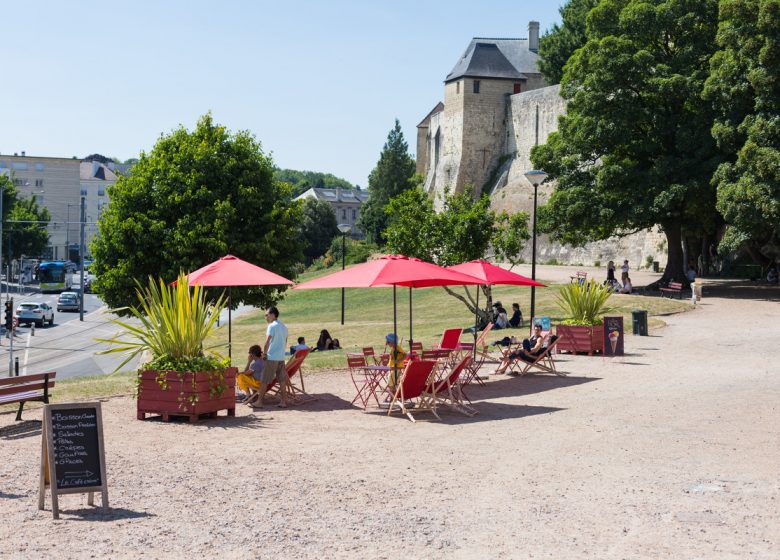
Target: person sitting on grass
{"points": [[300, 346], [517, 316], [531, 349], [627, 287], [249, 381], [325, 342]]}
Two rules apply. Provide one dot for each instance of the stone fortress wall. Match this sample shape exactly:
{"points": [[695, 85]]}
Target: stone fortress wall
{"points": [[483, 141]]}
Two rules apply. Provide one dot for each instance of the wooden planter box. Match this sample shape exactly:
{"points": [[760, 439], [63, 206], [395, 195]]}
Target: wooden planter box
{"points": [[183, 397], [580, 340]]}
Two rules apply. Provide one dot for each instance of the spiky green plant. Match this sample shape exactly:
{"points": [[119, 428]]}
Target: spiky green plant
{"points": [[584, 303], [174, 322]]}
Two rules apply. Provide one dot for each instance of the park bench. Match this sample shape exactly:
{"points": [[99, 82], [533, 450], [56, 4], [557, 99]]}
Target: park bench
{"points": [[26, 388], [674, 288], [580, 277]]}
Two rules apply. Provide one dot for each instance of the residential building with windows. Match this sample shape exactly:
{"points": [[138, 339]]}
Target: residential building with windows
{"points": [[58, 185], [346, 204]]}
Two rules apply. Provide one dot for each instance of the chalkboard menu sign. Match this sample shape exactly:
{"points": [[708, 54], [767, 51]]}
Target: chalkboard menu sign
{"points": [[72, 455]]}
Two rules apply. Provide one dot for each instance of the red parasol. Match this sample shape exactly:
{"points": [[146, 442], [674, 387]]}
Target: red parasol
{"points": [[391, 270], [232, 271]]}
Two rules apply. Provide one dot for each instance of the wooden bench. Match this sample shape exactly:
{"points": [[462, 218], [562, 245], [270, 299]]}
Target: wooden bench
{"points": [[580, 277], [26, 388], [675, 288]]}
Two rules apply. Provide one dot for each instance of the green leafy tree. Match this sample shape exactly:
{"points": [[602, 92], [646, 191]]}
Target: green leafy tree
{"points": [[195, 197], [462, 231], [392, 175], [744, 86], [318, 228], [20, 235], [558, 44], [25, 237], [302, 181], [634, 149]]}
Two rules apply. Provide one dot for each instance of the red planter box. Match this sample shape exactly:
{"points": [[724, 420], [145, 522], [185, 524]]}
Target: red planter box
{"points": [[580, 340], [175, 400]]}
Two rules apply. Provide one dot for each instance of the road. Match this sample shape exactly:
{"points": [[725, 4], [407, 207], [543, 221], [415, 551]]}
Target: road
{"points": [[69, 346]]}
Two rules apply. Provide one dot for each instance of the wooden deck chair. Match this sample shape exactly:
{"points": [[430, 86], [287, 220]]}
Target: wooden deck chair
{"points": [[544, 362], [479, 353], [448, 390], [296, 393], [361, 379], [416, 347], [417, 385]]}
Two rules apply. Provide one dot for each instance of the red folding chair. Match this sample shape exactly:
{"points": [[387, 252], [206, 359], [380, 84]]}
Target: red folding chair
{"points": [[361, 379], [293, 367], [448, 390], [417, 386], [479, 353]]}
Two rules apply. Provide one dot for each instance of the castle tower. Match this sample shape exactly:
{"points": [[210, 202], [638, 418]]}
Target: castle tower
{"points": [[461, 146]]}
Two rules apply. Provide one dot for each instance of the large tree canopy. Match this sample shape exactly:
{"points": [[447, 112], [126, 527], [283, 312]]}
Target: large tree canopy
{"points": [[745, 87], [392, 175], [318, 228], [634, 149], [558, 44], [197, 196], [462, 231]]}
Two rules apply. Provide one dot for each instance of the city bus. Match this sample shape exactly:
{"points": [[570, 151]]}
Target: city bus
{"points": [[56, 276]]}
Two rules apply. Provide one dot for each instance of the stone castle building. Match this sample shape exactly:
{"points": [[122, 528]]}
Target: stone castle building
{"points": [[497, 106]]}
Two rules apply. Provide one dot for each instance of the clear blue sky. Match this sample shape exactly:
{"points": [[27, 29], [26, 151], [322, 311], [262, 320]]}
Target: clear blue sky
{"points": [[318, 83]]}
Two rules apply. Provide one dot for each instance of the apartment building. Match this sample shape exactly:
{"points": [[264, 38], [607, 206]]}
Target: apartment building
{"points": [[58, 185]]}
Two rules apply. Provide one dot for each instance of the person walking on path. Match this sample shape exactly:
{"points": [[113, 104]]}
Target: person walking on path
{"points": [[275, 345]]}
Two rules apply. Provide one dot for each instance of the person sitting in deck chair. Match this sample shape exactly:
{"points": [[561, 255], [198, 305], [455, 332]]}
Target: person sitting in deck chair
{"points": [[249, 381], [532, 347]]}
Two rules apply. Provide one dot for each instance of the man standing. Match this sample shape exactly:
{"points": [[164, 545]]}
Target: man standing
{"points": [[275, 344]]}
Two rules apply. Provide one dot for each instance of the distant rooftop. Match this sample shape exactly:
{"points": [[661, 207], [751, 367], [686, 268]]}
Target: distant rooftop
{"points": [[336, 195]]}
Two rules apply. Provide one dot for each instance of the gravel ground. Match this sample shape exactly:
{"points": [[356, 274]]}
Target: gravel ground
{"points": [[669, 452]]}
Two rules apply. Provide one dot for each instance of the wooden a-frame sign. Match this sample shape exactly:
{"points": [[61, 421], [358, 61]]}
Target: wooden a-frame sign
{"points": [[72, 454]]}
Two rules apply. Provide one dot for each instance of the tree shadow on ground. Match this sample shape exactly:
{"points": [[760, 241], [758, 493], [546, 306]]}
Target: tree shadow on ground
{"points": [[741, 289], [20, 430], [517, 386], [102, 514]]}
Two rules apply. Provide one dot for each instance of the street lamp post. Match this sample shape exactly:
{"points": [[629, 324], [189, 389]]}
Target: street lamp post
{"points": [[344, 229], [536, 177]]}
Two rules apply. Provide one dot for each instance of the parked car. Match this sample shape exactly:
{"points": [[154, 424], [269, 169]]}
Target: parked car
{"points": [[68, 301], [32, 312]]}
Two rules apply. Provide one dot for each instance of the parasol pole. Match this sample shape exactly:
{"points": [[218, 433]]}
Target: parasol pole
{"points": [[395, 334], [230, 328], [476, 318], [411, 339]]}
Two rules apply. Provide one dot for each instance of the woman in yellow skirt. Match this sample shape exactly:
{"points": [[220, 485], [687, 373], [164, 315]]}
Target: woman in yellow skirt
{"points": [[249, 381]]}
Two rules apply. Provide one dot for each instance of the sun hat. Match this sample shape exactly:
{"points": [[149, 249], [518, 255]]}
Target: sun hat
{"points": [[392, 338]]}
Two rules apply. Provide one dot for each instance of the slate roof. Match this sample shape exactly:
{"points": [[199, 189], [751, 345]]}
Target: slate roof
{"points": [[99, 173], [427, 120], [334, 195], [495, 58]]}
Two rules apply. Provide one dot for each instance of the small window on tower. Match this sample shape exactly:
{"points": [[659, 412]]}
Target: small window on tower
{"points": [[476, 86], [457, 87], [517, 88]]}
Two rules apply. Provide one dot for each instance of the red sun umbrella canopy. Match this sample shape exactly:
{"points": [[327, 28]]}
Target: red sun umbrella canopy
{"points": [[492, 274], [232, 271], [391, 270]]}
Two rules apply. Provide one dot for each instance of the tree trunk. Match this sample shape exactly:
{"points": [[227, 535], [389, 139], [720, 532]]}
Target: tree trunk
{"points": [[675, 265]]}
